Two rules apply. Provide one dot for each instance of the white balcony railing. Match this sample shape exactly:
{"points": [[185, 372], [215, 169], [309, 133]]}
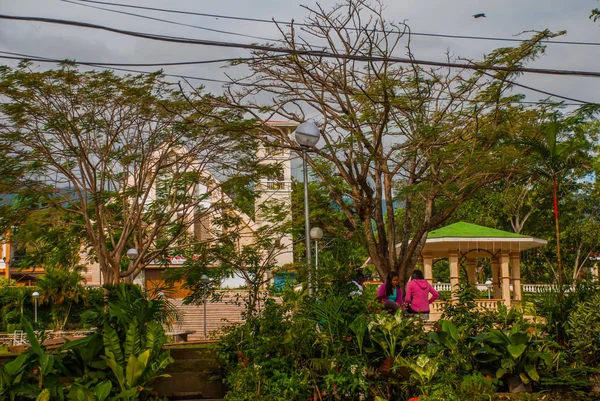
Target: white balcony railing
{"points": [[483, 287]]}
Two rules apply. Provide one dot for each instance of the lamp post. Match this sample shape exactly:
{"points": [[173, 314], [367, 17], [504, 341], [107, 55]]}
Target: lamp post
{"points": [[307, 135], [132, 255], [35, 296], [205, 281], [488, 284], [316, 233]]}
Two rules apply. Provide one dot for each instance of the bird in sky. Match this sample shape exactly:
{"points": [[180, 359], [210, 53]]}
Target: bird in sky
{"points": [[480, 15]]}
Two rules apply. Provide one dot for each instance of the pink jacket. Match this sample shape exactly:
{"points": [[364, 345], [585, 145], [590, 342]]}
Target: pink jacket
{"points": [[417, 295], [381, 296]]}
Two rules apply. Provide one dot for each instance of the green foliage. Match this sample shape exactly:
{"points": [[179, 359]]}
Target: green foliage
{"points": [[61, 288], [514, 354], [477, 387], [392, 334], [118, 361], [555, 305], [584, 331]]}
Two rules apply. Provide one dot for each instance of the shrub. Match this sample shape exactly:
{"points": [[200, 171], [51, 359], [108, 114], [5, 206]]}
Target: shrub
{"points": [[477, 387], [583, 331]]}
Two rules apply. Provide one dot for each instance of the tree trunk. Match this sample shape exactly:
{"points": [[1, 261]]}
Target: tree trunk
{"points": [[555, 198]]}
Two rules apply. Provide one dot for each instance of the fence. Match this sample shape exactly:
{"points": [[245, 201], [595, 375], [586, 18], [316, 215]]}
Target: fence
{"points": [[483, 287]]}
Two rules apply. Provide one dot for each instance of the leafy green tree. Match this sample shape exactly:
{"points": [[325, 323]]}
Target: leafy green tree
{"points": [[249, 254], [560, 151], [131, 159], [61, 289], [340, 250], [394, 135]]}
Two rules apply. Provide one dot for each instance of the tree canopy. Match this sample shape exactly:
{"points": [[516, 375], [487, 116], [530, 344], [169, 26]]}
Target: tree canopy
{"points": [[133, 160], [395, 134]]}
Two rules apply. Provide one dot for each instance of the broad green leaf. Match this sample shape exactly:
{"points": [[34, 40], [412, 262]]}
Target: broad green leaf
{"points": [[44, 395], [102, 390], [132, 340], [134, 370], [16, 364], [112, 345], [532, 372], [31, 337], [46, 363], [117, 371], [516, 350], [519, 338]]}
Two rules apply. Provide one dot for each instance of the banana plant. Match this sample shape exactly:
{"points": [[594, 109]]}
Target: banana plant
{"points": [[136, 362], [33, 370]]}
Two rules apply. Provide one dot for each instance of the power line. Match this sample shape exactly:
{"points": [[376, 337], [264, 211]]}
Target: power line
{"points": [[312, 53], [161, 64], [25, 57], [57, 61], [273, 21], [170, 22]]}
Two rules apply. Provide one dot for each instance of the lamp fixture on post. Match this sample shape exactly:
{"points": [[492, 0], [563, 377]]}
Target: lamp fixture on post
{"points": [[488, 284], [316, 233], [307, 135], [132, 255], [205, 280], [35, 296]]}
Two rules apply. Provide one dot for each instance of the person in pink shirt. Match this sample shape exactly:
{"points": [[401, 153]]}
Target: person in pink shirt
{"points": [[417, 295], [390, 293]]}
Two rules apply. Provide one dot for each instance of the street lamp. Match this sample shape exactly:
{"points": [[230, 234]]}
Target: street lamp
{"points": [[132, 255], [307, 135], [488, 284], [35, 296], [316, 233], [204, 278]]}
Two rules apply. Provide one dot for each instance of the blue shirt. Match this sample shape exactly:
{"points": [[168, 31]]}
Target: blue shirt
{"points": [[394, 295]]}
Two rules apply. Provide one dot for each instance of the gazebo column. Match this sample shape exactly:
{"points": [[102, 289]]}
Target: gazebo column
{"points": [[504, 270], [515, 272], [495, 277], [454, 272], [471, 263], [428, 267]]}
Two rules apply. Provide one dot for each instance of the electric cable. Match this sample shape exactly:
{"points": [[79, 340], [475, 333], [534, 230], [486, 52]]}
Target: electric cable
{"points": [[25, 57], [273, 21], [310, 53], [171, 22]]}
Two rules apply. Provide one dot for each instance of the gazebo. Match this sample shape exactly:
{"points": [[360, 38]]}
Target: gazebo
{"points": [[464, 243]]}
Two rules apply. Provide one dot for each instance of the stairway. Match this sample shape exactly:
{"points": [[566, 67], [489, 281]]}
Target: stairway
{"points": [[218, 315]]}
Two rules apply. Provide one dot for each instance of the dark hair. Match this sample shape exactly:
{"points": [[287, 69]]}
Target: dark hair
{"points": [[360, 278], [389, 288], [417, 275]]}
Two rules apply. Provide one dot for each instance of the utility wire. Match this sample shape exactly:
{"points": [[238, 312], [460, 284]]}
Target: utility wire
{"points": [[312, 53], [161, 64], [57, 61], [273, 21], [25, 57], [171, 22]]}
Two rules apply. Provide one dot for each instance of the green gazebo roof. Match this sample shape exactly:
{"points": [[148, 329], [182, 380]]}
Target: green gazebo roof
{"points": [[468, 230]]}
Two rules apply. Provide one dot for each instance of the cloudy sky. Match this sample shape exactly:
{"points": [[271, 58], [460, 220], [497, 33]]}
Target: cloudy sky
{"points": [[504, 19]]}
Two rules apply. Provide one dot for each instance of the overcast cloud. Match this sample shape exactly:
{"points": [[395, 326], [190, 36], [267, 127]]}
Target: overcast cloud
{"points": [[503, 19]]}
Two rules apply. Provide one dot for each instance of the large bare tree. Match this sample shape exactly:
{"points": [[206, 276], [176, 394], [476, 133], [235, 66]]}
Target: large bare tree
{"points": [[403, 144], [133, 159]]}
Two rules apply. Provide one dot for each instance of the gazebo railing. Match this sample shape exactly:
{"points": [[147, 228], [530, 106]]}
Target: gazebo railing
{"points": [[491, 304], [525, 287]]}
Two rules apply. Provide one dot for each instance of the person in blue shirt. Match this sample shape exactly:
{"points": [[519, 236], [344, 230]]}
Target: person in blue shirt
{"points": [[390, 293]]}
